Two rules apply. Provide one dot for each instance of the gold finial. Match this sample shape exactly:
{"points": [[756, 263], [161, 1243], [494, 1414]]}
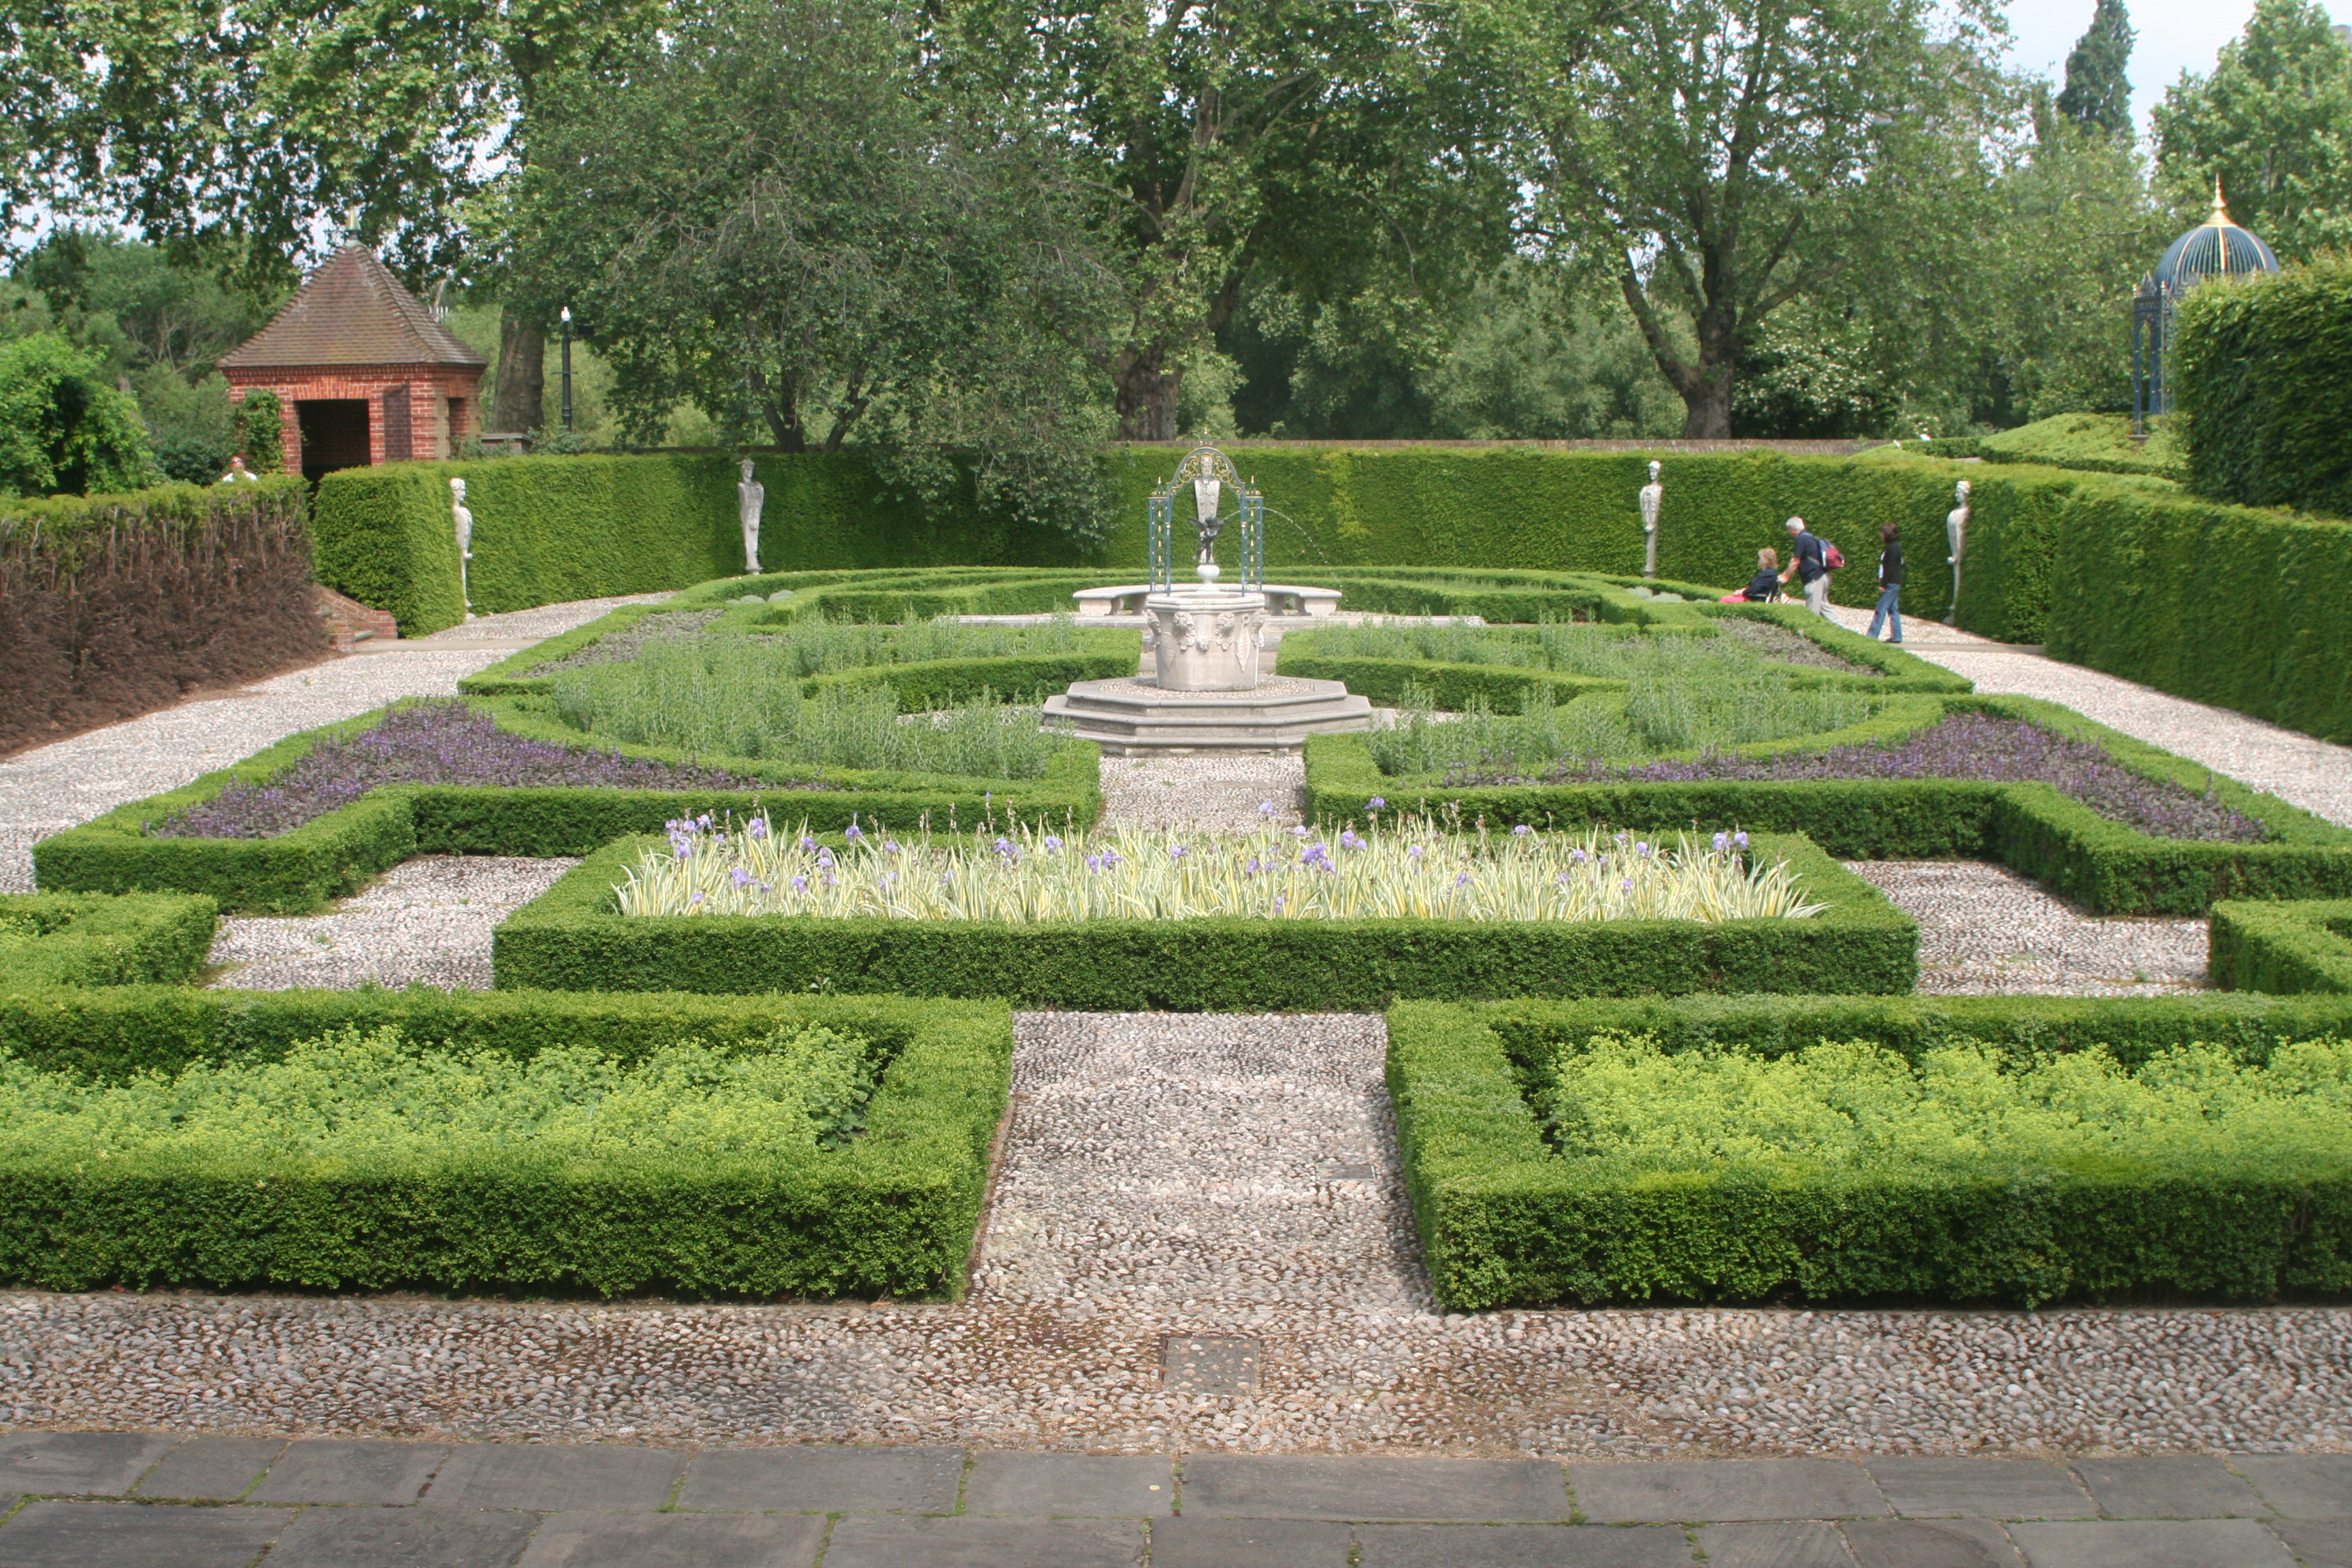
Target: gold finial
{"points": [[2220, 208]]}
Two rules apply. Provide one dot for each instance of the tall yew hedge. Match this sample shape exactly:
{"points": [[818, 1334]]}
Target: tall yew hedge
{"points": [[2260, 368]]}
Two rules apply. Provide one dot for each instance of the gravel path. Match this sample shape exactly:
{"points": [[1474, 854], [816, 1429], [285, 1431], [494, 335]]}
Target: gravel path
{"points": [[54, 787], [1219, 793], [427, 920], [2311, 774], [1206, 1176], [1986, 931]]}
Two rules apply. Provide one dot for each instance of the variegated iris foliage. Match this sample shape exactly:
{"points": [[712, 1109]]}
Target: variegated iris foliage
{"points": [[1407, 867]]}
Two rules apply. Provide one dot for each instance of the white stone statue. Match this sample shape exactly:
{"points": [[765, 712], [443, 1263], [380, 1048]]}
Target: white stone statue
{"points": [[750, 496], [1206, 492], [1652, 494], [1956, 534], [465, 521]]}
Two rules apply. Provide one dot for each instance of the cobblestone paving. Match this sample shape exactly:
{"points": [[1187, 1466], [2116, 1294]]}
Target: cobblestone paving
{"points": [[1986, 931], [426, 921]]}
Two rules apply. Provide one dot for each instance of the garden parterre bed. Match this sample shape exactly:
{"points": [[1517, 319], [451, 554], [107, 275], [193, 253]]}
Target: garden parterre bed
{"points": [[2292, 945], [374, 1140], [574, 936], [1656, 1204]]}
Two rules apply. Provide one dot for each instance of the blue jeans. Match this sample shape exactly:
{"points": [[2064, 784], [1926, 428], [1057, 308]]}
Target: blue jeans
{"points": [[1888, 611]]}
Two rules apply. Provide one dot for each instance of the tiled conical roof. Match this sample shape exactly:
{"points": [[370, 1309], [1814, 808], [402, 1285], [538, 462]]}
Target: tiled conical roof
{"points": [[352, 310]]}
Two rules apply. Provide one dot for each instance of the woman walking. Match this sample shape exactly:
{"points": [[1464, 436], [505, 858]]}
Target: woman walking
{"points": [[1890, 585]]}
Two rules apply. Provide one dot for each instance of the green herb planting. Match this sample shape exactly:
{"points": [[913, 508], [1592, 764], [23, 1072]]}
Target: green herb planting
{"points": [[347, 1098], [1649, 721], [1408, 868], [1622, 1107], [732, 697]]}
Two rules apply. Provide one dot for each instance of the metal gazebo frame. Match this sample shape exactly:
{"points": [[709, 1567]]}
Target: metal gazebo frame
{"points": [[1208, 463], [2152, 307]]}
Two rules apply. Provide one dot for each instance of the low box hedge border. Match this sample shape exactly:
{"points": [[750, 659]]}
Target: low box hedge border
{"points": [[2033, 829], [299, 871], [893, 1213], [1504, 1222], [2293, 945], [571, 937], [80, 940]]}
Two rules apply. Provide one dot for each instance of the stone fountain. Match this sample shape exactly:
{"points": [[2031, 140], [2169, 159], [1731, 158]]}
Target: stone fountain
{"points": [[1204, 638]]}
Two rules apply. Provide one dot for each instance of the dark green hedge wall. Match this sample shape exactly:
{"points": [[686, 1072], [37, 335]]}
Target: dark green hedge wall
{"points": [[2259, 368], [2129, 576], [63, 938], [2289, 946]]}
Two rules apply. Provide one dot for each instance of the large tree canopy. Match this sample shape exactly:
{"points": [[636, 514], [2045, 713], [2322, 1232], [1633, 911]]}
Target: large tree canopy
{"points": [[767, 215], [1327, 141], [2097, 94], [1722, 158], [2273, 123]]}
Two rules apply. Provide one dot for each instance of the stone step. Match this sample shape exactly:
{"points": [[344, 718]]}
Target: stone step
{"points": [[1279, 716]]}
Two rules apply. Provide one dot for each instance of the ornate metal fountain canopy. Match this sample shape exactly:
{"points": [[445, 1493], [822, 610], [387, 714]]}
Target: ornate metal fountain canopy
{"points": [[1211, 495]]}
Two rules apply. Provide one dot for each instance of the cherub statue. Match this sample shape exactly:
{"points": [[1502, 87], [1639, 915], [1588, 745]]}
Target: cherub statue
{"points": [[464, 520], [1207, 493], [750, 496], [1956, 534], [1652, 494]]}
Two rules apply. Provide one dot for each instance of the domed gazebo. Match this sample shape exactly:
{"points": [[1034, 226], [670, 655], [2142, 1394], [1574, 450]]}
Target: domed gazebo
{"points": [[2217, 247]]}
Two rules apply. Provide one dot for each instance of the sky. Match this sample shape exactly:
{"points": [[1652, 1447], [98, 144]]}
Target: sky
{"points": [[2174, 35]]}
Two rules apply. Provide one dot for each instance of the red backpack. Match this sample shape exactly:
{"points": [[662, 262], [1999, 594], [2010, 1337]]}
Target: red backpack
{"points": [[1832, 558]]}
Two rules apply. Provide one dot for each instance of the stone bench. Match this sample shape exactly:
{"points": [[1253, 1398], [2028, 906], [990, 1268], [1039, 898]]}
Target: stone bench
{"points": [[1280, 600]]}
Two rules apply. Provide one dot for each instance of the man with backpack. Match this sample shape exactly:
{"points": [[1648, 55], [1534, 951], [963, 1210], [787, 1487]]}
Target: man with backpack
{"points": [[1811, 558]]}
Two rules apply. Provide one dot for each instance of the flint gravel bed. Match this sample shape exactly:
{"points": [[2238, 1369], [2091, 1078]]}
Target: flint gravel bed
{"points": [[426, 921], [1986, 931], [1785, 647], [58, 786], [2312, 773], [542, 621], [1217, 792], [1215, 1174], [626, 642]]}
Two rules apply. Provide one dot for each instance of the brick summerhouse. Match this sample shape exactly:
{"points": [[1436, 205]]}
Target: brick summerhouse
{"points": [[364, 371]]}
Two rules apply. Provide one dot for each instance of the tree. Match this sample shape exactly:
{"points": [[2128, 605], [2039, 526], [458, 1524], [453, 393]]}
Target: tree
{"points": [[1722, 158], [1327, 147], [763, 213], [62, 427], [2274, 124], [2098, 93]]}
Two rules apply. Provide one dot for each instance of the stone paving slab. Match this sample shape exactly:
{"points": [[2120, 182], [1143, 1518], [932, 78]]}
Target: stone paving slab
{"points": [[866, 1480], [1791, 1544], [400, 1538], [2168, 1485], [2321, 1543], [1930, 1543], [2152, 1544], [1250, 1543], [1233, 1486], [358, 1472], [898, 1540], [1099, 1485], [675, 1540], [1989, 1488], [1521, 1546], [124, 1534], [551, 1478], [77, 1464], [212, 1469], [2301, 1485], [1725, 1490]]}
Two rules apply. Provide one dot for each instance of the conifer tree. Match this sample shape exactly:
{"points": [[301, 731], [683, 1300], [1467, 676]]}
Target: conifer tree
{"points": [[2097, 96]]}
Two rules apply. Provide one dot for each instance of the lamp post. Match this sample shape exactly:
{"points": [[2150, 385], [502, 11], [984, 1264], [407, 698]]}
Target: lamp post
{"points": [[567, 370]]}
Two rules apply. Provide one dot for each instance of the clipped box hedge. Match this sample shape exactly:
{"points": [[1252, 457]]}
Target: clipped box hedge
{"points": [[572, 937], [324, 859], [1504, 1222], [2293, 945], [53, 939], [892, 1212], [2033, 829]]}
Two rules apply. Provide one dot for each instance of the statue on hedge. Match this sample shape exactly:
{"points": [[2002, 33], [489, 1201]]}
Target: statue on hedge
{"points": [[751, 495], [465, 521], [1653, 494], [1956, 534]]}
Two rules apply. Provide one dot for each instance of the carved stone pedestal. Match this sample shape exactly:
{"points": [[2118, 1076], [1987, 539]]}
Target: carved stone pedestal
{"points": [[1204, 639]]}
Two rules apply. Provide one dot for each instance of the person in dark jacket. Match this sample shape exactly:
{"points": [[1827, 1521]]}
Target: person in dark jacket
{"points": [[1890, 584], [1765, 585]]}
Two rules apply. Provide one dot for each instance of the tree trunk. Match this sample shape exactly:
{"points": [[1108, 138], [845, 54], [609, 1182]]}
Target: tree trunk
{"points": [[1707, 405], [520, 403], [1147, 393]]}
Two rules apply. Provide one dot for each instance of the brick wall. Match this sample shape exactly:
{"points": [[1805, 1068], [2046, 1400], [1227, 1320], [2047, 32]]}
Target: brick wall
{"points": [[425, 394]]}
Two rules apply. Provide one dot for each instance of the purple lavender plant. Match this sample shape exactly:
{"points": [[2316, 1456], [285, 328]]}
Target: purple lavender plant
{"points": [[427, 742], [1964, 746]]}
